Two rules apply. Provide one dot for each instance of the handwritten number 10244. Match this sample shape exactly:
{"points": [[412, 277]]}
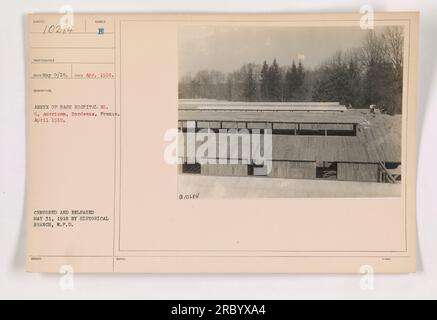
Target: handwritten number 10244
{"points": [[56, 28]]}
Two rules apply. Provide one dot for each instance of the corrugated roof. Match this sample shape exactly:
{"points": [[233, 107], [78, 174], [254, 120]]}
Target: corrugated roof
{"points": [[259, 106], [271, 116], [200, 102], [378, 137], [265, 108], [370, 145], [361, 148]]}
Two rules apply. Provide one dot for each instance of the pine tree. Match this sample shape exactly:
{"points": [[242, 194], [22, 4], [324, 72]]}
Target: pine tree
{"points": [[264, 87], [288, 85], [300, 90], [294, 82], [274, 82], [300, 74], [250, 86]]}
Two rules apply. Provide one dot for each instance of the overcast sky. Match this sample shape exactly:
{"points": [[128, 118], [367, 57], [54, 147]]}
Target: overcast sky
{"points": [[228, 48]]}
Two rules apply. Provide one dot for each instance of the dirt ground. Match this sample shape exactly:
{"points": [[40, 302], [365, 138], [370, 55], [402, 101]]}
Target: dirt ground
{"points": [[214, 187]]}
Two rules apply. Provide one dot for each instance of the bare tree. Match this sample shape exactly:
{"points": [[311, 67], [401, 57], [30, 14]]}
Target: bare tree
{"points": [[393, 46], [373, 49]]}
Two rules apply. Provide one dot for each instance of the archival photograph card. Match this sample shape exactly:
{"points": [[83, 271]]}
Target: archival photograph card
{"points": [[222, 143]]}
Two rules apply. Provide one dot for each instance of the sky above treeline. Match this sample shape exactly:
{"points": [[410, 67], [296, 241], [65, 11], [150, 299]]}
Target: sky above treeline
{"points": [[228, 48]]}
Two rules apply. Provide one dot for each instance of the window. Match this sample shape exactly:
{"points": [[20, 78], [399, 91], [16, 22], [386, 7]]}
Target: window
{"points": [[326, 170], [257, 170], [193, 168], [315, 129]]}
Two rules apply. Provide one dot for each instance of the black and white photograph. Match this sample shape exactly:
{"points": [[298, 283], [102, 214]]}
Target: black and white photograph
{"points": [[218, 158], [284, 111]]}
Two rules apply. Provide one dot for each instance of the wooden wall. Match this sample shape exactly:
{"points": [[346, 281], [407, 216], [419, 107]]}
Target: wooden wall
{"points": [[294, 169], [357, 171], [280, 169], [236, 170], [298, 170]]}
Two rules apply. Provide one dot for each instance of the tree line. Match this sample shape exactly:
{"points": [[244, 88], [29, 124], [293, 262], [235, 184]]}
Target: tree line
{"points": [[358, 77]]}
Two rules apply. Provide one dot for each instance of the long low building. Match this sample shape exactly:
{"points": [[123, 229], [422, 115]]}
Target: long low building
{"points": [[309, 145], [214, 105]]}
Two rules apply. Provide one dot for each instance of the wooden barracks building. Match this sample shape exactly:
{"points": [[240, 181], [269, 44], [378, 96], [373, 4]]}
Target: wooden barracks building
{"points": [[311, 140]]}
